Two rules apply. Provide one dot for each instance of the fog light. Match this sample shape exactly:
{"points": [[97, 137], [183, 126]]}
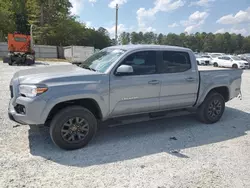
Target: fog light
{"points": [[20, 109]]}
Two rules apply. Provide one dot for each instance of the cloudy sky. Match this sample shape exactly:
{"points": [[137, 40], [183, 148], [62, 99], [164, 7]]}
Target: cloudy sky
{"points": [[164, 16]]}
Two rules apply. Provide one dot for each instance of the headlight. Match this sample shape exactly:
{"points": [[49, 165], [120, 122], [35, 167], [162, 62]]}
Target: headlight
{"points": [[31, 90]]}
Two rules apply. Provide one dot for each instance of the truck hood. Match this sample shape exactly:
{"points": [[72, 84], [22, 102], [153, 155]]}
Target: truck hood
{"points": [[52, 73]]}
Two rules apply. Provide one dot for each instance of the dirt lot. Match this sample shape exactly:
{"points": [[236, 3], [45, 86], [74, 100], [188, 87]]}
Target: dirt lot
{"points": [[136, 155]]}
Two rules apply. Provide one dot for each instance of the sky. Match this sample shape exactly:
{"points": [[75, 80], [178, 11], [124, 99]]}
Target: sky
{"points": [[165, 16]]}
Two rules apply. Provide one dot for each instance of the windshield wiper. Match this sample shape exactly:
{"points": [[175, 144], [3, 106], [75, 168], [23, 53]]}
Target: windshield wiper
{"points": [[86, 67]]}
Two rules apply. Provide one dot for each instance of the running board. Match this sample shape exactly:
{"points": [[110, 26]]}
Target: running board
{"points": [[144, 117]]}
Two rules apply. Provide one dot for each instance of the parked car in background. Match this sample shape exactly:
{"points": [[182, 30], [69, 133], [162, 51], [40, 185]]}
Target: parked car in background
{"points": [[202, 60], [213, 57], [230, 61], [245, 57], [216, 54]]}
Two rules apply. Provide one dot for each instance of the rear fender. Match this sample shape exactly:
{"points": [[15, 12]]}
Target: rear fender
{"points": [[205, 92]]}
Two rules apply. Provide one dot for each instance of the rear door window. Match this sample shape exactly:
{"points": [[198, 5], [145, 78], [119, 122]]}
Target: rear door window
{"points": [[175, 61]]}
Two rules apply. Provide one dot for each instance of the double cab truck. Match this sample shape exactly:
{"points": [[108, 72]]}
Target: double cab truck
{"points": [[116, 84]]}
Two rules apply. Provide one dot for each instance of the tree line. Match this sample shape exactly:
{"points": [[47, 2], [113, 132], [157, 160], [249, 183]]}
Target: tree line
{"points": [[198, 42], [53, 24]]}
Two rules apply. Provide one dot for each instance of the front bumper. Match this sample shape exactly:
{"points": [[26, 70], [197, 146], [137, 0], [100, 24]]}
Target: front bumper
{"points": [[244, 67], [32, 116], [13, 115]]}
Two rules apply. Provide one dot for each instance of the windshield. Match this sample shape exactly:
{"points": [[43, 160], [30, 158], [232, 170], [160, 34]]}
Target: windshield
{"points": [[101, 60], [236, 58]]}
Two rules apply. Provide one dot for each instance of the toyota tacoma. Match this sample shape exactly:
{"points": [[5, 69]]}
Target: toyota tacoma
{"points": [[116, 84]]}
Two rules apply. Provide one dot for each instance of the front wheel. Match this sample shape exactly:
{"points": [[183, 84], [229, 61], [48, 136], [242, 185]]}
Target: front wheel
{"points": [[216, 65], [73, 127], [212, 108], [235, 66]]}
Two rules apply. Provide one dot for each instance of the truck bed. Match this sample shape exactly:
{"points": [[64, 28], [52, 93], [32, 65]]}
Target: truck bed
{"points": [[205, 68], [213, 77]]}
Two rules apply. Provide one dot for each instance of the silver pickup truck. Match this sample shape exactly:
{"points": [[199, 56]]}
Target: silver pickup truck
{"points": [[115, 84]]}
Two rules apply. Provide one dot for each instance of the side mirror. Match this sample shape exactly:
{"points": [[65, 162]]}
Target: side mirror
{"points": [[124, 70]]}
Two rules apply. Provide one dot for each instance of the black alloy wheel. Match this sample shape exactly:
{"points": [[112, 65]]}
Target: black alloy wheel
{"points": [[73, 127], [74, 130], [214, 109]]}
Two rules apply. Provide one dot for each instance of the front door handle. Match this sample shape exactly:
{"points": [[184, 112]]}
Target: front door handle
{"points": [[154, 82], [190, 79]]}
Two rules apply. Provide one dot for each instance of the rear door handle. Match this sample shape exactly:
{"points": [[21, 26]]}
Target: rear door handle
{"points": [[190, 79], [154, 82]]}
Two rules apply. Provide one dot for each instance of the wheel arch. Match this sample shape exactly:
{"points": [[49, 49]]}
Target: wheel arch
{"points": [[235, 65], [223, 90], [88, 103]]}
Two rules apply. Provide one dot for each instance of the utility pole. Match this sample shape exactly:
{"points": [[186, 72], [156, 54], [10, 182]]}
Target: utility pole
{"points": [[116, 22], [31, 37]]}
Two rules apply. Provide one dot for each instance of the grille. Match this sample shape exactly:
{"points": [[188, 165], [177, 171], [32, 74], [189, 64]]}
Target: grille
{"points": [[207, 62], [11, 92]]}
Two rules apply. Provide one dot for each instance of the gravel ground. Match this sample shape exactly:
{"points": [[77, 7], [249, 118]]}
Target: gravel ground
{"points": [[136, 155]]}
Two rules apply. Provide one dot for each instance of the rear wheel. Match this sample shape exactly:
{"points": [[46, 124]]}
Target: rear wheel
{"points": [[212, 108], [215, 64], [235, 66], [73, 128]]}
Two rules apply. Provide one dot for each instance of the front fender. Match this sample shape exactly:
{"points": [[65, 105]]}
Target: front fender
{"points": [[102, 99]]}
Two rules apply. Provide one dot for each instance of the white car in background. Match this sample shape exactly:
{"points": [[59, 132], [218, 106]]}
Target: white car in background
{"points": [[201, 60], [216, 54], [230, 61], [245, 57]]}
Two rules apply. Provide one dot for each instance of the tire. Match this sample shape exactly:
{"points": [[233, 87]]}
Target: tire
{"points": [[10, 62], [235, 66], [211, 110], [198, 63], [61, 128], [215, 64]]}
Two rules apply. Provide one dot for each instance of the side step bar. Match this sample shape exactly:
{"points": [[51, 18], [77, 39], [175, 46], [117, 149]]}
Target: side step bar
{"points": [[144, 117]]}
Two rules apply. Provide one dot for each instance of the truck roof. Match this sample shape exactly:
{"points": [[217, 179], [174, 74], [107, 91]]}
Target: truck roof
{"points": [[149, 46]]}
